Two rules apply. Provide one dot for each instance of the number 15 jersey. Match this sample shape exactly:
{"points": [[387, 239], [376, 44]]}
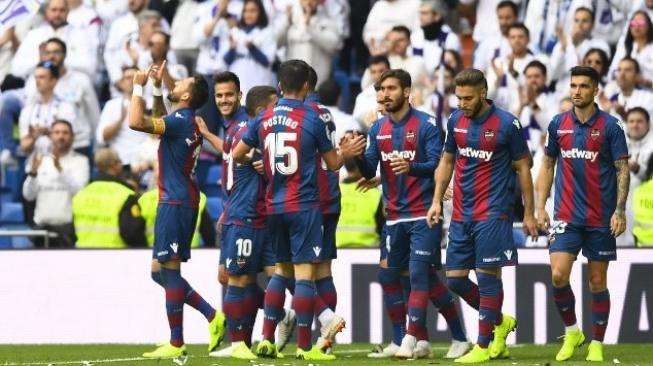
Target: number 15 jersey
{"points": [[290, 135]]}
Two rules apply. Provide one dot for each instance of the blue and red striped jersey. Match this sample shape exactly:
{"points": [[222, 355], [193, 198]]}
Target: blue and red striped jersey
{"points": [[418, 139], [586, 180], [179, 149], [328, 181], [243, 186], [484, 148], [291, 137]]}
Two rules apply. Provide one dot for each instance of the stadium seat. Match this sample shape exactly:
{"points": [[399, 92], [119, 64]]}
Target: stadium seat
{"points": [[214, 175], [12, 213], [16, 242], [13, 181], [214, 205]]}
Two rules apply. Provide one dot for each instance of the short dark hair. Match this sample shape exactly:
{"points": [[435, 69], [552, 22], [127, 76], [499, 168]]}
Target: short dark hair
{"points": [[520, 26], [586, 71], [584, 8], [60, 42], [54, 71], [536, 64], [508, 4], [379, 59], [258, 96], [63, 122], [402, 75], [633, 61], [471, 77], [199, 93], [604, 59], [293, 74], [329, 92], [401, 29], [262, 21], [312, 78], [641, 111], [226, 77]]}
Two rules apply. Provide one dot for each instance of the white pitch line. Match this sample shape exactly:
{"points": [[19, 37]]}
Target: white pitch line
{"points": [[87, 362]]}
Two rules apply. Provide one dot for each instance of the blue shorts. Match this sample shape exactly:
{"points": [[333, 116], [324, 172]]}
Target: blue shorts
{"points": [[597, 243], [297, 236], [174, 228], [329, 226], [384, 244], [243, 248], [481, 244], [411, 241], [269, 258]]}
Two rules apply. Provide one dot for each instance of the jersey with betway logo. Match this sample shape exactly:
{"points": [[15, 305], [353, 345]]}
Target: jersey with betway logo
{"points": [[416, 138], [585, 178], [485, 147]]}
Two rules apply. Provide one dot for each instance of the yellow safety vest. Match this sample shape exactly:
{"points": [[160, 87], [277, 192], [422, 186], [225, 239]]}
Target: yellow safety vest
{"points": [[357, 224], [148, 202], [643, 212], [96, 213]]}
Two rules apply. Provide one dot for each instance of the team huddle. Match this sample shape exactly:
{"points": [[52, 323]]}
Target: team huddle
{"points": [[280, 164]]}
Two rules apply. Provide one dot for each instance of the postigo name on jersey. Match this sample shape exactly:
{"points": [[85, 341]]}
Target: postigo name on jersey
{"points": [[579, 154], [278, 120], [406, 154], [470, 152]]}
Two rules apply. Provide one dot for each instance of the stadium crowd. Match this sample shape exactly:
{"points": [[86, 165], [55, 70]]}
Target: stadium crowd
{"points": [[67, 78]]}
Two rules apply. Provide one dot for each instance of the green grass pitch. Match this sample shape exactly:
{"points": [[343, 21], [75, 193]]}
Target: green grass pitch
{"points": [[354, 354]]}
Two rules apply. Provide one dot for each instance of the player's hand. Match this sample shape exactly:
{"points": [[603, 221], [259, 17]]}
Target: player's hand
{"points": [[400, 165], [36, 163], [156, 73], [448, 193], [434, 214], [363, 185], [201, 126], [140, 77], [530, 227], [352, 146], [618, 223], [258, 166], [543, 222]]}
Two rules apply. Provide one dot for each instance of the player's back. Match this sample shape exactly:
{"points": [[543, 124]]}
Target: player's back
{"points": [[586, 182], [243, 186], [485, 147], [179, 149], [291, 134]]}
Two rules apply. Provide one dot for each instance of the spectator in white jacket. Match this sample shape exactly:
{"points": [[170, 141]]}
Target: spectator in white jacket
{"points": [[625, 95], [637, 43], [52, 182], [82, 46], [365, 108], [312, 36], [434, 37], [384, 15], [251, 47], [496, 44]]}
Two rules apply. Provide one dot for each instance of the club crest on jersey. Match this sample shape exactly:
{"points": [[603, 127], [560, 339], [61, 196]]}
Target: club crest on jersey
{"points": [[410, 136], [595, 133], [241, 261], [489, 135]]}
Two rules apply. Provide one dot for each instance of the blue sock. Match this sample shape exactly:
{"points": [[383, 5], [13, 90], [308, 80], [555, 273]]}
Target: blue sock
{"points": [[156, 277], [405, 286], [175, 294], [327, 292], [234, 311], [442, 299], [418, 300], [275, 296], [490, 289], [393, 299], [303, 303]]}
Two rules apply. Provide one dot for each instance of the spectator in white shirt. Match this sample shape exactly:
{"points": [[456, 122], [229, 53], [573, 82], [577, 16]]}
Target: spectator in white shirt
{"points": [[82, 46], [252, 47], [366, 104], [182, 42], [84, 17], [41, 111], [536, 102], [434, 37], [329, 92], [597, 59], [627, 95], [495, 44], [441, 101], [485, 11], [113, 129], [544, 18], [637, 44], [384, 15], [312, 36], [52, 182]]}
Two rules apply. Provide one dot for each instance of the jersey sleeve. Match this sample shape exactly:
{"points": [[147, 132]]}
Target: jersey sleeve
{"points": [[551, 147], [432, 141], [617, 139], [518, 145], [250, 137], [370, 159], [449, 140], [175, 124], [320, 132]]}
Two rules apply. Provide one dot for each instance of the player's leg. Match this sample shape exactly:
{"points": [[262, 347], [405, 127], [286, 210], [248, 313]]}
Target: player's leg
{"points": [[600, 248], [565, 243], [254, 294], [460, 259]]}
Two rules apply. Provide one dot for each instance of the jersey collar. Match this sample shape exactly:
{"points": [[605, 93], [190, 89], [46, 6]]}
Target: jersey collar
{"points": [[590, 122], [480, 119], [240, 115], [403, 119]]}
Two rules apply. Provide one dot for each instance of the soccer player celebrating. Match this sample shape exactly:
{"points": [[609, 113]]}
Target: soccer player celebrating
{"points": [[485, 147], [178, 199], [591, 187], [243, 220], [291, 135], [407, 143]]}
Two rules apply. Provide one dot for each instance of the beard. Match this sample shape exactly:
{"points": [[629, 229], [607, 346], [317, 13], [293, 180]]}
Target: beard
{"points": [[582, 103], [172, 97], [392, 107]]}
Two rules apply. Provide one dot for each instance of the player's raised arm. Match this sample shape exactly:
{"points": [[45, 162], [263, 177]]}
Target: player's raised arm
{"points": [[157, 74], [137, 119]]}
